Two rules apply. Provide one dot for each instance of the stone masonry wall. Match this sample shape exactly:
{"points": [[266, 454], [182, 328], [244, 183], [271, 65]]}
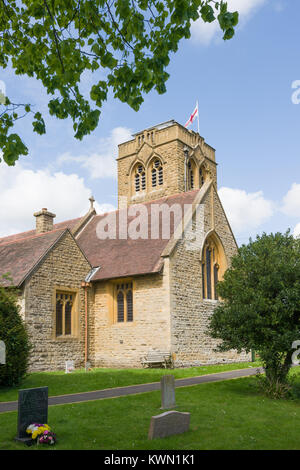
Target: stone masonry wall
{"points": [[190, 313], [123, 344], [168, 145], [64, 267]]}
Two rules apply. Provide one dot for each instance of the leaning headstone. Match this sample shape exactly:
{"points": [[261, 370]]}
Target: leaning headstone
{"points": [[69, 366], [167, 387], [168, 424], [32, 408]]}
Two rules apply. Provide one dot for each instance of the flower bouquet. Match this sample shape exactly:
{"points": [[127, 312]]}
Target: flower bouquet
{"points": [[41, 433]]}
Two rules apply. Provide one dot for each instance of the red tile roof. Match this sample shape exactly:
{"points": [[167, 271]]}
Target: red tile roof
{"points": [[127, 257], [70, 224], [19, 257], [117, 257]]}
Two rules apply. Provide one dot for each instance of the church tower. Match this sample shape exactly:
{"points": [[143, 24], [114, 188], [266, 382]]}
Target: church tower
{"points": [[163, 160]]}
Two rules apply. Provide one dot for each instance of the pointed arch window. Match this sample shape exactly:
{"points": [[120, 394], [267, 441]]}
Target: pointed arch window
{"points": [[139, 178], [213, 264], [124, 302], [191, 174], [157, 178], [202, 176]]}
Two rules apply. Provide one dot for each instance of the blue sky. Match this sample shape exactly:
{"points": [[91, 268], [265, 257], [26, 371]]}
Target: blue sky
{"points": [[246, 112]]}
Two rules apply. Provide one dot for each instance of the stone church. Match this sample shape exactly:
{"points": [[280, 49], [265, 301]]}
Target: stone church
{"points": [[106, 289]]}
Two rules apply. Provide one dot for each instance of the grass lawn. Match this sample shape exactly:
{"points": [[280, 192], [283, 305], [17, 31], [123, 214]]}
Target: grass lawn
{"points": [[60, 383], [224, 415]]}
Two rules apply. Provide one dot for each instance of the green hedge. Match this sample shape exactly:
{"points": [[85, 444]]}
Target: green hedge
{"points": [[14, 335]]}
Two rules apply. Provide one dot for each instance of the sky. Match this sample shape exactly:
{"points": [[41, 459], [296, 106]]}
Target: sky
{"points": [[248, 90]]}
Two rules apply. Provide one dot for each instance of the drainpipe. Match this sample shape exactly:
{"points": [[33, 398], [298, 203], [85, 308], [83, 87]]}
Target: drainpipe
{"points": [[85, 285], [186, 154]]}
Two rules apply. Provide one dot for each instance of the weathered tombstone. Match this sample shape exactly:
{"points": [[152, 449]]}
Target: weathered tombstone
{"points": [[168, 424], [32, 408], [2, 353], [69, 366], [167, 387]]}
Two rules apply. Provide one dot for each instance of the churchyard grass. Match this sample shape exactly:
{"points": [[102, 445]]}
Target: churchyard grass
{"points": [[60, 383], [231, 414]]}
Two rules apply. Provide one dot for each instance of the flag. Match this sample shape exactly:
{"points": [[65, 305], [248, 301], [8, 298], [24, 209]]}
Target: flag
{"points": [[193, 116]]}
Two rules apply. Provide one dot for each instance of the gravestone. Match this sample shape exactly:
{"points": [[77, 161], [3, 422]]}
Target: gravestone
{"points": [[168, 424], [69, 366], [32, 408], [167, 387], [2, 353]]}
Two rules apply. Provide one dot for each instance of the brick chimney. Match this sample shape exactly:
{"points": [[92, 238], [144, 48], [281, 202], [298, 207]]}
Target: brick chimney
{"points": [[44, 221]]}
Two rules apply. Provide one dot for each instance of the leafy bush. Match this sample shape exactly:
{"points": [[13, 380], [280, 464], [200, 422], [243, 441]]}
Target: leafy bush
{"points": [[260, 306], [14, 335]]}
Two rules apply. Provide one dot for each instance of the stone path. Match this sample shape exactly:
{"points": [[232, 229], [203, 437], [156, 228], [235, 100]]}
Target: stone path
{"points": [[134, 389]]}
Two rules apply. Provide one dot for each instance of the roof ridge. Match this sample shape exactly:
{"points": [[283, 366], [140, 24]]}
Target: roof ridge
{"points": [[36, 235], [150, 202], [34, 230]]}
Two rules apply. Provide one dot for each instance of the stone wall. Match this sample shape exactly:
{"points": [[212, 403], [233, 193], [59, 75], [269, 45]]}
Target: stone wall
{"points": [[190, 313], [123, 344], [64, 267]]}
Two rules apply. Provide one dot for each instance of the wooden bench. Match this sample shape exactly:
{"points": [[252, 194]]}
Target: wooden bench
{"points": [[158, 359]]}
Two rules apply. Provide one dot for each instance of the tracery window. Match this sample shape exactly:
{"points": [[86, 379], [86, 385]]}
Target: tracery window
{"points": [[64, 313], [124, 302], [211, 260]]}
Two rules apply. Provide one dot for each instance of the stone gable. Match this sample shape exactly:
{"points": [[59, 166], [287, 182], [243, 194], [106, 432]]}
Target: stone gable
{"points": [[63, 268]]}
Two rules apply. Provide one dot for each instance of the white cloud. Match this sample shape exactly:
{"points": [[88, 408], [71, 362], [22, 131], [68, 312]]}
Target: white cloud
{"points": [[291, 201], [103, 208], [245, 211], [25, 191], [206, 32], [296, 232], [102, 163]]}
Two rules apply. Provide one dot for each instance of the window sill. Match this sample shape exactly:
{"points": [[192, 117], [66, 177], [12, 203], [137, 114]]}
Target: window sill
{"points": [[66, 338], [157, 190], [211, 301]]}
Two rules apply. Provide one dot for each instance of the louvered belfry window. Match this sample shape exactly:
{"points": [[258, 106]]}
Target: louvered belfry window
{"points": [[124, 302], [140, 179], [201, 177], [64, 313], [190, 172], [157, 174]]}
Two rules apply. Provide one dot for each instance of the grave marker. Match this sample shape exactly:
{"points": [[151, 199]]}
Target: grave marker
{"points": [[2, 353], [167, 387], [69, 366], [168, 424], [32, 408]]}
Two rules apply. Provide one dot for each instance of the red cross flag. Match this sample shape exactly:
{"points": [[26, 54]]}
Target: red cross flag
{"points": [[194, 114]]}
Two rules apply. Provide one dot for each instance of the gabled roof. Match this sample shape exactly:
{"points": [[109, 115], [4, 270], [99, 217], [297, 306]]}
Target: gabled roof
{"points": [[128, 257], [116, 258], [70, 224], [19, 257]]}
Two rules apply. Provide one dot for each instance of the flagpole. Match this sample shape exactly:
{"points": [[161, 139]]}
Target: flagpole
{"points": [[198, 117]]}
